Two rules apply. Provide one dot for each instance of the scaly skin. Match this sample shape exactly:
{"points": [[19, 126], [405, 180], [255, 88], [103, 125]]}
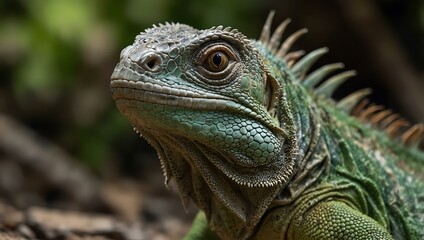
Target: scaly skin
{"points": [[240, 130]]}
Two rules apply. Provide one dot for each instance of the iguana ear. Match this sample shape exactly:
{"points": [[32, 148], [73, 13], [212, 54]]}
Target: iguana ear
{"points": [[272, 94], [271, 102]]}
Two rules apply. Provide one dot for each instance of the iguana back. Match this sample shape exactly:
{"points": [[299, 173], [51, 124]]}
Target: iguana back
{"points": [[248, 136]]}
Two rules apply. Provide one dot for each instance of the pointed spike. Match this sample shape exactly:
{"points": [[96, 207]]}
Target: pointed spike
{"points": [[396, 125], [375, 120], [287, 44], [240, 35], [329, 86], [227, 29], [369, 111], [315, 77], [292, 57], [413, 134], [302, 66], [360, 107], [276, 36], [266, 30], [388, 120], [220, 27], [350, 101]]}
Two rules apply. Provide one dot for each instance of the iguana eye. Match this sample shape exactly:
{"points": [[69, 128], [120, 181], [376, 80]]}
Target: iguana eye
{"points": [[217, 61]]}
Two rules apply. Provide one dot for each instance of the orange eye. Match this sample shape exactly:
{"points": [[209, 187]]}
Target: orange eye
{"points": [[217, 61]]}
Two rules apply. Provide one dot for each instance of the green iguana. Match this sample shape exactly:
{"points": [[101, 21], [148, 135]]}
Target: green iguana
{"points": [[262, 150]]}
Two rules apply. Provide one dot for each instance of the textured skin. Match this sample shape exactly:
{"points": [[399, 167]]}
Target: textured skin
{"points": [[318, 224], [261, 153]]}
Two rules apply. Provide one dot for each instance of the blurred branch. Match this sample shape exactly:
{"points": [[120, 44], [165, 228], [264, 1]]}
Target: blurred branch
{"points": [[401, 77], [44, 223], [50, 161]]}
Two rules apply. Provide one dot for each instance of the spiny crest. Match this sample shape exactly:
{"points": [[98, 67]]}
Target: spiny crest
{"points": [[280, 50], [317, 81], [300, 68], [392, 123]]}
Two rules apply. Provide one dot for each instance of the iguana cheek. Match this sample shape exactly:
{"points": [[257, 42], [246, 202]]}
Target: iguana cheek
{"points": [[245, 84], [253, 87]]}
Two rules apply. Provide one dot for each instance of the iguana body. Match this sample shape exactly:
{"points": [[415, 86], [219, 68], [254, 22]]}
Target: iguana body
{"points": [[240, 129]]}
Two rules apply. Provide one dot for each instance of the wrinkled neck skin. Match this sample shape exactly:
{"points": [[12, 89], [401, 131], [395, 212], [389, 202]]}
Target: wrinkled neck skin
{"points": [[313, 157], [232, 210]]}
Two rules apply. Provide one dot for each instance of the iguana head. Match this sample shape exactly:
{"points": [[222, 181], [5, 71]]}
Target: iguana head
{"points": [[205, 100]]}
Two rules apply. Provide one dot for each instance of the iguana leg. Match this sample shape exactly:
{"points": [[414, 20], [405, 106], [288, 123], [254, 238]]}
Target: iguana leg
{"points": [[336, 220], [200, 229]]}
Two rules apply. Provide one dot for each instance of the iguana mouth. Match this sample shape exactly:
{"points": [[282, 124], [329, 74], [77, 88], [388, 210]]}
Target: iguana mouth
{"points": [[157, 94]]}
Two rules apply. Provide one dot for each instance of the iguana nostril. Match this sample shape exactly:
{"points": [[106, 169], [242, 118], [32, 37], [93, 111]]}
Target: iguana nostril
{"points": [[151, 62]]}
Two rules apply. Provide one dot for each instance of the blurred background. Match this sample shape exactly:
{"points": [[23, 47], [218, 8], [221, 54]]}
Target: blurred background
{"points": [[66, 150]]}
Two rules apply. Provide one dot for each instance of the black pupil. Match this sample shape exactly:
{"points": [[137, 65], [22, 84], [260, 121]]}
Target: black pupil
{"points": [[216, 59]]}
